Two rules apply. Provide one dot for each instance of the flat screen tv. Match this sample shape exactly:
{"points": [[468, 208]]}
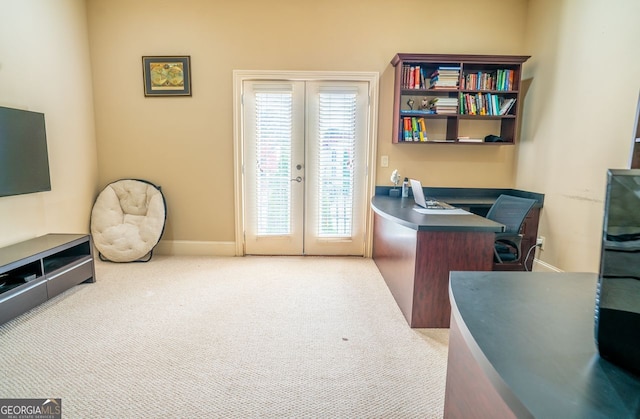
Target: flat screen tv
{"points": [[617, 317], [24, 161]]}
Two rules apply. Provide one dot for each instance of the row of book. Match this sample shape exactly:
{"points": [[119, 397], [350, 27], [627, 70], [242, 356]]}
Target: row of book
{"points": [[419, 77], [448, 77], [501, 79], [414, 129], [485, 104], [414, 77]]}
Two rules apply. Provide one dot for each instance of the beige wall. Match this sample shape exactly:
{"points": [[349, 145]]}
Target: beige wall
{"points": [[579, 118], [186, 144], [578, 112], [44, 67]]}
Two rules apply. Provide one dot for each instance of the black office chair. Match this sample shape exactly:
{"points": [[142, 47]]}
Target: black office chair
{"points": [[510, 211]]}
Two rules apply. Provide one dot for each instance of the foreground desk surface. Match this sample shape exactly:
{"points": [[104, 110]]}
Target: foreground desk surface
{"points": [[415, 252], [522, 345]]}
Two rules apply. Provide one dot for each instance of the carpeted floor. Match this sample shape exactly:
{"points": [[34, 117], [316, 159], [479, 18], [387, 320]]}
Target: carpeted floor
{"points": [[198, 337]]}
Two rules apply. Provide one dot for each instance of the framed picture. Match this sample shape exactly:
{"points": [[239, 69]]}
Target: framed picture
{"points": [[167, 75]]}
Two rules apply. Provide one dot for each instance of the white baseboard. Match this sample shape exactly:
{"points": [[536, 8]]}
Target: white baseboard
{"points": [[195, 248], [541, 266]]}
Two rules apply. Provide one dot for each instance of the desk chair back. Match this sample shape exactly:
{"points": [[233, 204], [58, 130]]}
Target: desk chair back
{"points": [[510, 211]]}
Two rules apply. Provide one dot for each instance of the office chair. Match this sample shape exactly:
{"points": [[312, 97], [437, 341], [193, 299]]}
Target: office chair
{"points": [[510, 211]]}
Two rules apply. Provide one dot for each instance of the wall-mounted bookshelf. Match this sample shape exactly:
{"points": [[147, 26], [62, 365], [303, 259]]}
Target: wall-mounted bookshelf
{"points": [[458, 99]]}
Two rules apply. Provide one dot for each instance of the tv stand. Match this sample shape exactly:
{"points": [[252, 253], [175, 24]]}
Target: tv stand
{"points": [[33, 271]]}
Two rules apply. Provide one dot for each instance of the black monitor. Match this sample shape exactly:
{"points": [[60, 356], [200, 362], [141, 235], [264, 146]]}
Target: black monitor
{"points": [[24, 161], [617, 319]]}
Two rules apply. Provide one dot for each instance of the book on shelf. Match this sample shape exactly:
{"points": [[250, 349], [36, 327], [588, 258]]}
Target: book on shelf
{"points": [[500, 79], [413, 77], [446, 105], [495, 104], [414, 129], [470, 140], [423, 129], [406, 129], [507, 105], [445, 77], [449, 68], [486, 104], [416, 112], [504, 79], [480, 80]]}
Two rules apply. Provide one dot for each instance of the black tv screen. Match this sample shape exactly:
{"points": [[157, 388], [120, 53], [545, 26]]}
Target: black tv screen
{"points": [[24, 161], [617, 317]]}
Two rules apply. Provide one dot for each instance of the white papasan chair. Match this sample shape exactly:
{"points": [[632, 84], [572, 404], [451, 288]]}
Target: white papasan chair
{"points": [[127, 220]]}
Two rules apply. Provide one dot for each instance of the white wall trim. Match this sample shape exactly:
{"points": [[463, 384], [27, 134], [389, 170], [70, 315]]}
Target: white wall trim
{"points": [[541, 266], [194, 248], [239, 76]]}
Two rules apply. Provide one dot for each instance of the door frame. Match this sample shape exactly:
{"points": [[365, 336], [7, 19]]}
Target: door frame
{"points": [[240, 76]]}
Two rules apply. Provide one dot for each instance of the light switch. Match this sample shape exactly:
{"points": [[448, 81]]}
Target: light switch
{"points": [[384, 161]]}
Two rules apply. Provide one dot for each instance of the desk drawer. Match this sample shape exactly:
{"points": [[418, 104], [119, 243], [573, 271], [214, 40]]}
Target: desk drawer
{"points": [[22, 299], [69, 276]]}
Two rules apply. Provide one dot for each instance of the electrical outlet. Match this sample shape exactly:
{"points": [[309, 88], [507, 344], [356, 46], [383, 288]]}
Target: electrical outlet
{"points": [[540, 242], [384, 161]]}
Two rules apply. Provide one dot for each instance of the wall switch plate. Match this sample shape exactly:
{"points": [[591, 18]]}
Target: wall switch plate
{"points": [[384, 161]]}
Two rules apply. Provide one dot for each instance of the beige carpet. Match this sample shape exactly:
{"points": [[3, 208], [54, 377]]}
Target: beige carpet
{"points": [[197, 337]]}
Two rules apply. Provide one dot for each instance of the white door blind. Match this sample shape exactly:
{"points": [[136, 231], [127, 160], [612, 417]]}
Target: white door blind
{"points": [[305, 167], [335, 162], [273, 153]]}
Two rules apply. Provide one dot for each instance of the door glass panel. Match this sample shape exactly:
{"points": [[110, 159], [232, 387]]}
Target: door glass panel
{"points": [[336, 137], [273, 154], [273, 128]]}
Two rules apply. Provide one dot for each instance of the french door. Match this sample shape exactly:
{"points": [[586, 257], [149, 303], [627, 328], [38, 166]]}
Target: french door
{"points": [[305, 167]]}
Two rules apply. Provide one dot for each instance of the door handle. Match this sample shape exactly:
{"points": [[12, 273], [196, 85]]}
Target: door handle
{"points": [[298, 179]]}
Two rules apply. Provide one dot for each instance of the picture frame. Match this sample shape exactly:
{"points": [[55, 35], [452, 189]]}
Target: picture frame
{"points": [[166, 75]]}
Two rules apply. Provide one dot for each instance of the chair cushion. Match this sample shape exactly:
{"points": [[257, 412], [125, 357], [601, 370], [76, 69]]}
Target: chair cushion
{"points": [[128, 220], [507, 257], [502, 248], [505, 252]]}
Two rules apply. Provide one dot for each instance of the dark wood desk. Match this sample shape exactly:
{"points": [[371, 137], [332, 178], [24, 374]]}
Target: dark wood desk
{"points": [[415, 252], [522, 345], [478, 201]]}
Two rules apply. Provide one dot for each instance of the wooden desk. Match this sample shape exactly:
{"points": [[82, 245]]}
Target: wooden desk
{"points": [[415, 252], [478, 201], [522, 345]]}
